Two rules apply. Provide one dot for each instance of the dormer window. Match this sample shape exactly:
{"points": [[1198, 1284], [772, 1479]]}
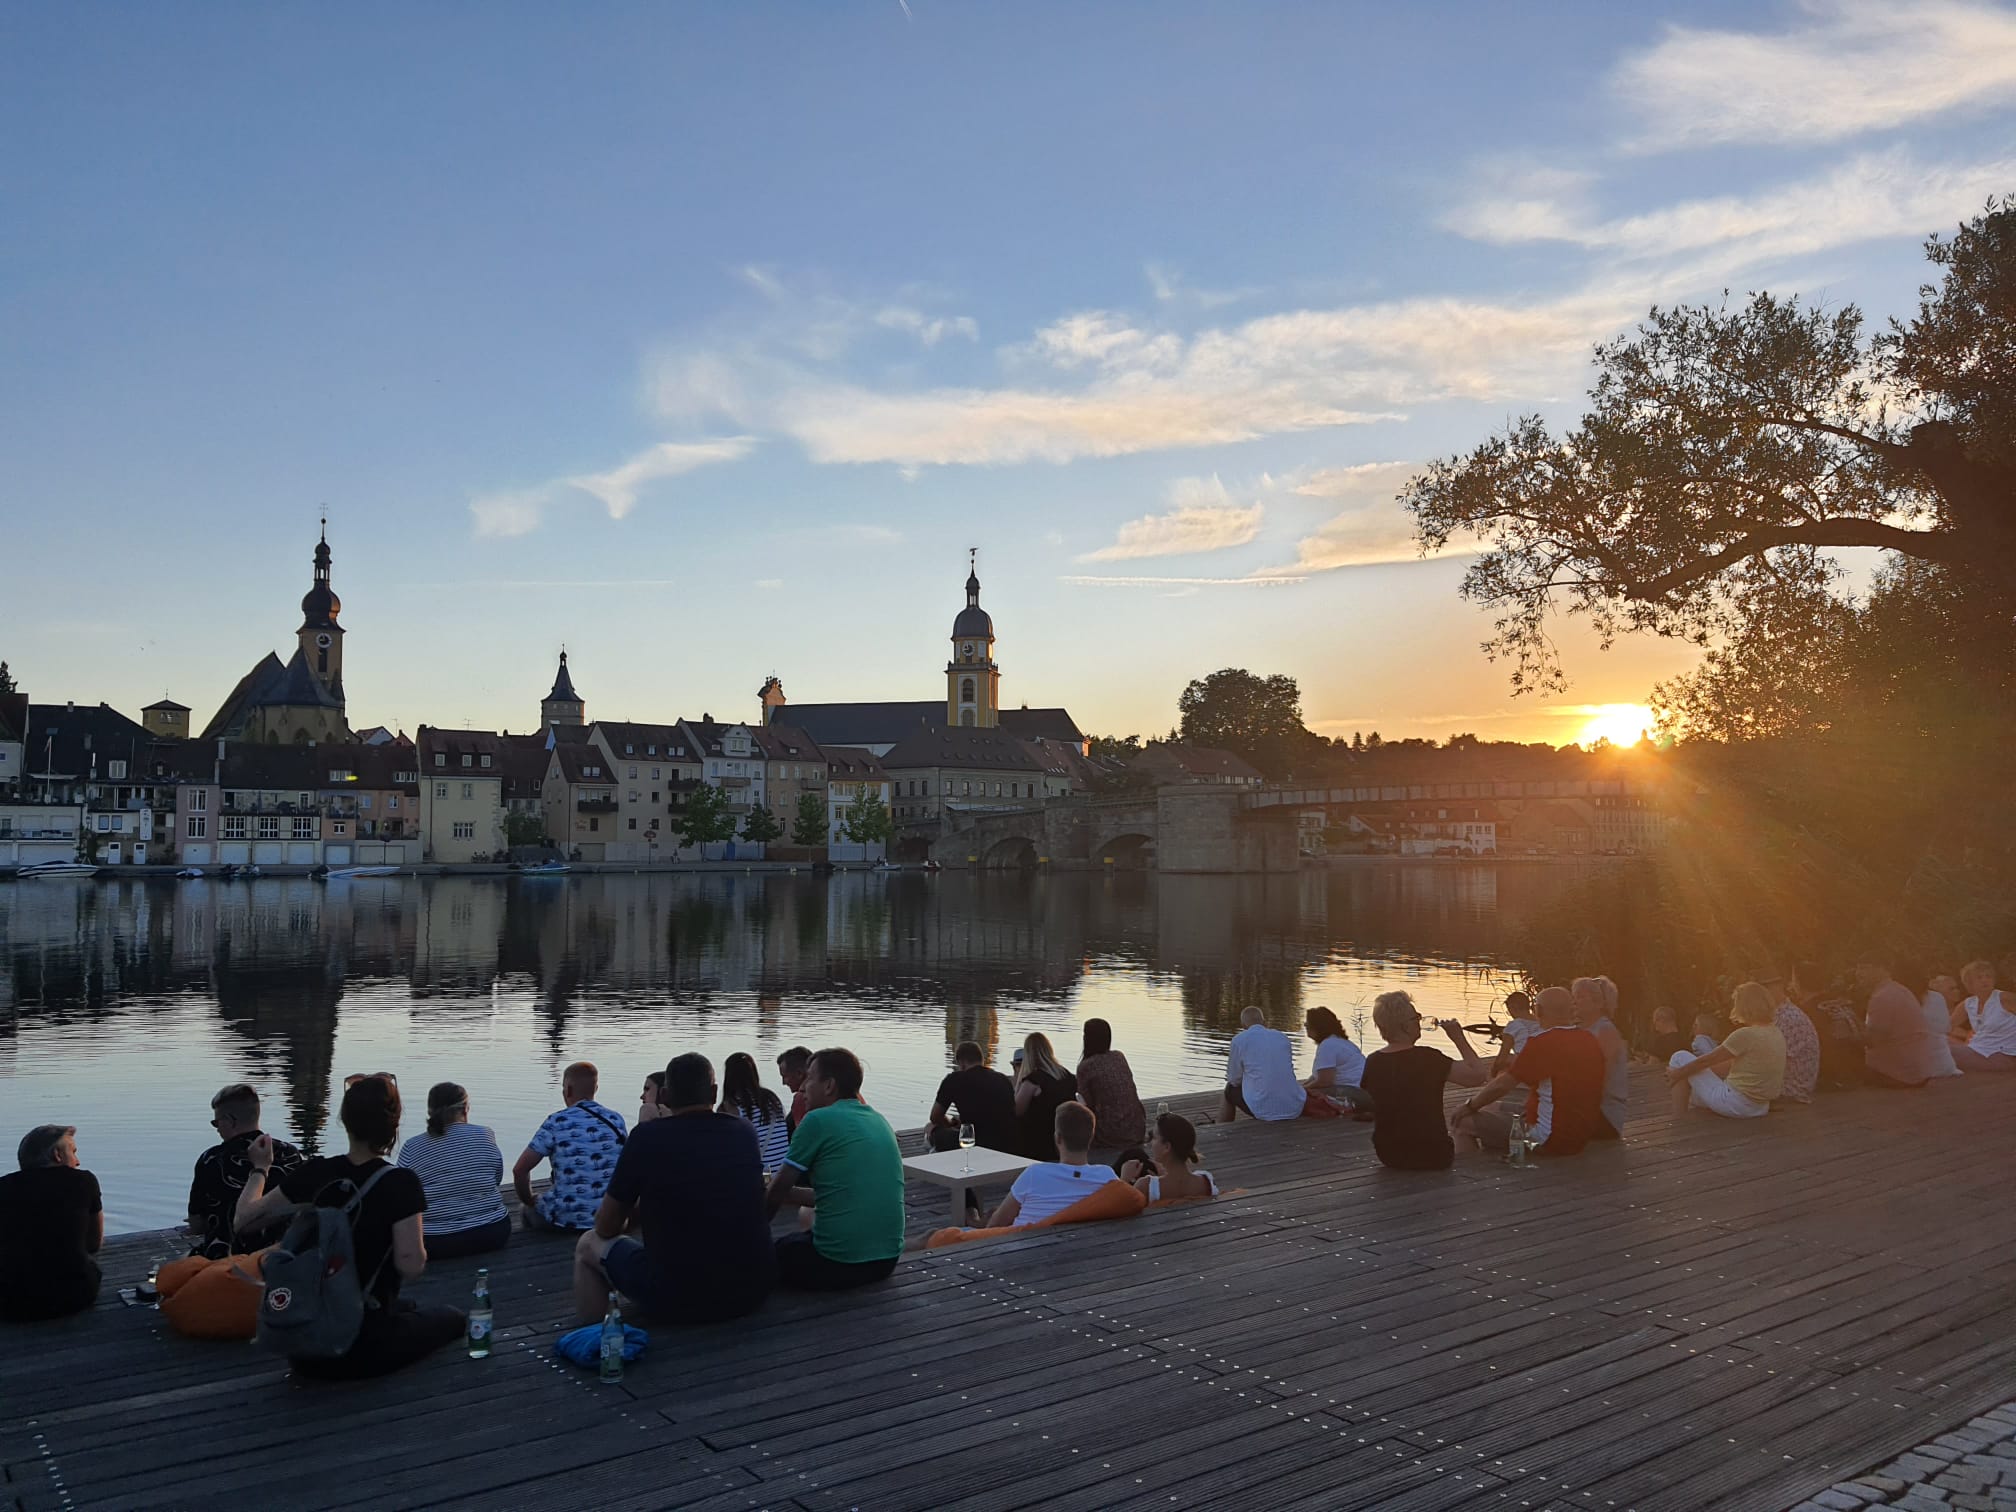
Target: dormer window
{"points": [[486, 759], [440, 758], [467, 760]]}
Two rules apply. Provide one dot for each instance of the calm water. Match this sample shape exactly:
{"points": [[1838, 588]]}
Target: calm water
{"points": [[124, 1005]]}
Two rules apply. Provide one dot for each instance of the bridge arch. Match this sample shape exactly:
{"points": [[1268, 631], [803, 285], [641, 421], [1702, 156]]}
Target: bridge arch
{"points": [[1010, 852], [1131, 851]]}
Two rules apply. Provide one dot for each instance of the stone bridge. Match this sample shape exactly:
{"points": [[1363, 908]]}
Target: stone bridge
{"points": [[1176, 830]]}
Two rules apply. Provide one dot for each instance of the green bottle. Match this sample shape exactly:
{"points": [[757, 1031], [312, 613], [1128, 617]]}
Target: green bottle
{"points": [[612, 1344], [480, 1321]]}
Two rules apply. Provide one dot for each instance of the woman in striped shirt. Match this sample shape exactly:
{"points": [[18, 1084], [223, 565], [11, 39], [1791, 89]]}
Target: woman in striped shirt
{"points": [[743, 1094], [462, 1171]]}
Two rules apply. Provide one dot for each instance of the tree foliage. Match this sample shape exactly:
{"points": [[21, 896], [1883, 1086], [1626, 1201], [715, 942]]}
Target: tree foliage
{"points": [[866, 820], [7, 680], [1728, 454], [705, 819], [761, 825], [525, 829], [1259, 718], [808, 824], [1113, 747]]}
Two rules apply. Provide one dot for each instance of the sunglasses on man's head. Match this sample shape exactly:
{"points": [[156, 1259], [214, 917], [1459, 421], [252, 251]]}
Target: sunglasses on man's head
{"points": [[384, 1076]]}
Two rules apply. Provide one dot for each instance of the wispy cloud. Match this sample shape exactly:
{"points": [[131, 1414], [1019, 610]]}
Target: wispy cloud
{"points": [[1250, 581], [1170, 287], [1847, 67], [929, 329], [518, 512], [1204, 518]]}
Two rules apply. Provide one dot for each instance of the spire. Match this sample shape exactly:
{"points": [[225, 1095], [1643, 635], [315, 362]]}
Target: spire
{"points": [[320, 606], [563, 685], [973, 577]]}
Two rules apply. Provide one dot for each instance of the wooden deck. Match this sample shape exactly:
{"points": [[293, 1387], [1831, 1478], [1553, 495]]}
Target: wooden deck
{"points": [[1717, 1315]]}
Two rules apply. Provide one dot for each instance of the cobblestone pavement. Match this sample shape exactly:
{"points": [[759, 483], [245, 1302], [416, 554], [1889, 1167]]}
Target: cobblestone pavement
{"points": [[1971, 1469]]}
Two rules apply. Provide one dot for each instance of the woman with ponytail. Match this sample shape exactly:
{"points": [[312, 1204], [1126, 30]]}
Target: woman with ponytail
{"points": [[462, 1170]]}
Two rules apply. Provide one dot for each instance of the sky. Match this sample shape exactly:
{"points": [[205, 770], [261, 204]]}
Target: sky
{"points": [[705, 340]]}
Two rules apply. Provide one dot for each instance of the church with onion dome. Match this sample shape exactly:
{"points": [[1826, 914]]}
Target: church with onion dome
{"points": [[299, 701]]}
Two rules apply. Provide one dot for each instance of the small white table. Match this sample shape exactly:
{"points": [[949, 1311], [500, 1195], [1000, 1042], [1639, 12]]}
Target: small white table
{"points": [[956, 1170]]}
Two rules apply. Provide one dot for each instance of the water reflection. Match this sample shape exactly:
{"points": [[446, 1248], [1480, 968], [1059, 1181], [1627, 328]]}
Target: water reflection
{"points": [[127, 1003]]}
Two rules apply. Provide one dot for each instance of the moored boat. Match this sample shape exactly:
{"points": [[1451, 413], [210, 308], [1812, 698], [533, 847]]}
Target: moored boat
{"points": [[58, 869]]}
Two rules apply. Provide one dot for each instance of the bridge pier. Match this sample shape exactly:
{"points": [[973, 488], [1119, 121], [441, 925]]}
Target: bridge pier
{"points": [[1176, 830]]}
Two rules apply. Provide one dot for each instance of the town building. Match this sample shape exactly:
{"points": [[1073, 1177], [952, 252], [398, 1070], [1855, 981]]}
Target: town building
{"points": [[254, 804], [166, 719], [97, 760], [654, 766], [299, 701], [794, 767], [13, 742], [730, 759], [849, 774], [1168, 764], [579, 800], [938, 772], [526, 759], [461, 794]]}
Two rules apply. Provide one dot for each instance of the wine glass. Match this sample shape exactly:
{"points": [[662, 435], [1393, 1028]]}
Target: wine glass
{"points": [[968, 1137]]}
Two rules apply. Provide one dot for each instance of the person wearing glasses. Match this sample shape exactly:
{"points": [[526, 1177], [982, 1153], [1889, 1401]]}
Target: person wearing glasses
{"points": [[461, 1170], [220, 1176]]}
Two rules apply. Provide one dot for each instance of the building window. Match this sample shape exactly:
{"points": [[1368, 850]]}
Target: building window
{"points": [[465, 829], [199, 826], [440, 758], [364, 802], [338, 828], [441, 790], [654, 774], [966, 789], [486, 758], [594, 824], [304, 827], [654, 795], [234, 826], [468, 790], [633, 770], [269, 826], [199, 800], [965, 690], [116, 770], [390, 803], [633, 824]]}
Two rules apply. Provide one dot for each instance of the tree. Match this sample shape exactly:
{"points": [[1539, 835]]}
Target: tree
{"points": [[524, 829], [705, 818], [1728, 454], [1114, 747], [866, 820], [808, 825], [7, 680], [1259, 718], [761, 826]]}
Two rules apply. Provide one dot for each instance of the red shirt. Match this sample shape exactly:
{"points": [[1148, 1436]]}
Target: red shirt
{"points": [[1564, 1067]]}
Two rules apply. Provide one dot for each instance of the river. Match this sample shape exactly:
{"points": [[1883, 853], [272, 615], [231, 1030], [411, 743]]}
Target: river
{"points": [[124, 1004]]}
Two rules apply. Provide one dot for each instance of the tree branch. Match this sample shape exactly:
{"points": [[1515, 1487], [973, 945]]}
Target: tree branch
{"points": [[1927, 545]]}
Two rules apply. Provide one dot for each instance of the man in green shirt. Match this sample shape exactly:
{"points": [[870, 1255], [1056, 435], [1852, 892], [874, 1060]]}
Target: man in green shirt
{"points": [[843, 1163]]}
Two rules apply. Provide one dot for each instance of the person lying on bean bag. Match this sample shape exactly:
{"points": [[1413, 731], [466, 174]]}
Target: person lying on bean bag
{"points": [[1069, 1189]]}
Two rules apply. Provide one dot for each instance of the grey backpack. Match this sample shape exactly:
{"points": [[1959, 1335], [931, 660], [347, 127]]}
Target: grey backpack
{"points": [[315, 1301]]}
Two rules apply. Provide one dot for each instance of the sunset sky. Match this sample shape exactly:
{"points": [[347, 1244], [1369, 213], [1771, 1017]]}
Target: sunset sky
{"points": [[707, 339]]}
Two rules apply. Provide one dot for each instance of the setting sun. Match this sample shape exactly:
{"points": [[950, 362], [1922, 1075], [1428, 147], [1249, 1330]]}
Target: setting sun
{"points": [[1620, 724]]}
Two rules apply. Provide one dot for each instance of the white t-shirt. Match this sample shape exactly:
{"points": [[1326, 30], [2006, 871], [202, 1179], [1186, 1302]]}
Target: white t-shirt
{"points": [[1047, 1189], [1262, 1066], [1517, 1031], [1346, 1057], [1993, 1024], [1938, 1024]]}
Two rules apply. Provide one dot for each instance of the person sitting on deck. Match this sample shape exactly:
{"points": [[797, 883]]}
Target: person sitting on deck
{"points": [[1991, 1044], [1741, 1076], [1802, 1044], [744, 1094], [1596, 1010], [651, 1102], [1260, 1073], [1898, 1047], [52, 1222], [1041, 1087], [1520, 1026], [1167, 1175], [387, 1233], [1562, 1069], [582, 1140], [1666, 1036], [220, 1176], [1707, 1034], [1047, 1188], [1106, 1086], [692, 1181], [985, 1099], [1833, 1020], [462, 1171], [848, 1154], [791, 1071], [1339, 1066], [1404, 1079]]}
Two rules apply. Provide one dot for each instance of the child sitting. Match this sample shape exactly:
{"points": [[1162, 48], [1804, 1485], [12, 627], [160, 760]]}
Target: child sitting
{"points": [[1707, 1034]]}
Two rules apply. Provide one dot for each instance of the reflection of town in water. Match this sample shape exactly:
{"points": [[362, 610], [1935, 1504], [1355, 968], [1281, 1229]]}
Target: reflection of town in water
{"points": [[128, 1002]]}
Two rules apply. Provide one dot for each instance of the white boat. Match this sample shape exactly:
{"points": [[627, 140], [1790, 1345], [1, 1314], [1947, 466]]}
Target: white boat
{"points": [[345, 873], [545, 869], [58, 869], [190, 874]]}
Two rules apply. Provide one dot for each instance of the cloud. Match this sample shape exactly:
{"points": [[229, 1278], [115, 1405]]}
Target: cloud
{"points": [[518, 512], [1849, 67], [769, 585], [928, 329], [855, 533], [1170, 287], [1204, 519], [1252, 580], [1872, 195]]}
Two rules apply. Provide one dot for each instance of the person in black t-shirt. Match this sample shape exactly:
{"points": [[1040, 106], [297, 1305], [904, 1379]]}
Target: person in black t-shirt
{"points": [[1404, 1079], [52, 1221], [386, 1234], [220, 1176], [706, 1254], [985, 1099]]}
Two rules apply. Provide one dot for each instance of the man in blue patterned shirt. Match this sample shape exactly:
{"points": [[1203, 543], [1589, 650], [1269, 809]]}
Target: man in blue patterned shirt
{"points": [[582, 1140]]}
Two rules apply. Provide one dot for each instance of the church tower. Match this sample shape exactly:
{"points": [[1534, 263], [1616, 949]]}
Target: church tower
{"points": [[972, 681], [320, 636], [563, 706]]}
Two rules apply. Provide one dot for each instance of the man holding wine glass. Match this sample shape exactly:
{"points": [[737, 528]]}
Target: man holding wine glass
{"points": [[984, 1101]]}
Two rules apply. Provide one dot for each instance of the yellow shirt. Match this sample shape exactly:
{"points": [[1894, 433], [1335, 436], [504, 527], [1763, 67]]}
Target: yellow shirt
{"points": [[1759, 1072]]}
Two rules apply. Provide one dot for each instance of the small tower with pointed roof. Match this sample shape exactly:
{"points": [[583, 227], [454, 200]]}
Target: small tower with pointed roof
{"points": [[769, 698], [563, 706], [972, 681], [320, 636]]}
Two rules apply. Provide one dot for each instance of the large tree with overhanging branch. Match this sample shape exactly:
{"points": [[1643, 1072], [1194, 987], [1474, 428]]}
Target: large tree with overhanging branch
{"points": [[1730, 452]]}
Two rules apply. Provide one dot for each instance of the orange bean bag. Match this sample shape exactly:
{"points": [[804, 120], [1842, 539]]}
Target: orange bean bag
{"points": [[1113, 1199], [212, 1299]]}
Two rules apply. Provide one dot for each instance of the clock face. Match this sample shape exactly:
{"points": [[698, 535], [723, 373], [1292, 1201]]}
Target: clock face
{"points": [[322, 640]]}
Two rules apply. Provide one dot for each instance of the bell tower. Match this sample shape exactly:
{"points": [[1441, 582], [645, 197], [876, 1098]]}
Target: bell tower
{"points": [[972, 681], [320, 636], [563, 706]]}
